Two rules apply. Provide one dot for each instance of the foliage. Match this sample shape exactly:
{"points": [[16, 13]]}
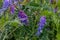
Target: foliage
{"points": [[11, 27]]}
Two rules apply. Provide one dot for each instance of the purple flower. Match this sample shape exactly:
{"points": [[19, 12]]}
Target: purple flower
{"points": [[12, 9], [4, 6], [51, 1], [55, 9], [5, 3], [41, 25], [22, 14], [23, 17]]}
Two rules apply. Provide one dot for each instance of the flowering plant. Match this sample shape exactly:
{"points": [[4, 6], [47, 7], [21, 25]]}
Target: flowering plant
{"points": [[29, 19]]}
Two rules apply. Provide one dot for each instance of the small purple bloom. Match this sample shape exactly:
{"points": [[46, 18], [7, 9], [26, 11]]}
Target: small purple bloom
{"points": [[5, 3], [51, 1], [23, 17], [4, 6], [55, 9], [12, 9], [41, 25]]}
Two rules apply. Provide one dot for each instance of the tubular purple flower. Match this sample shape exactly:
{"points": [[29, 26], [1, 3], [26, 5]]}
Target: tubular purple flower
{"points": [[55, 9], [5, 3], [41, 25], [23, 17], [51, 1], [12, 9], [4, 6]]}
